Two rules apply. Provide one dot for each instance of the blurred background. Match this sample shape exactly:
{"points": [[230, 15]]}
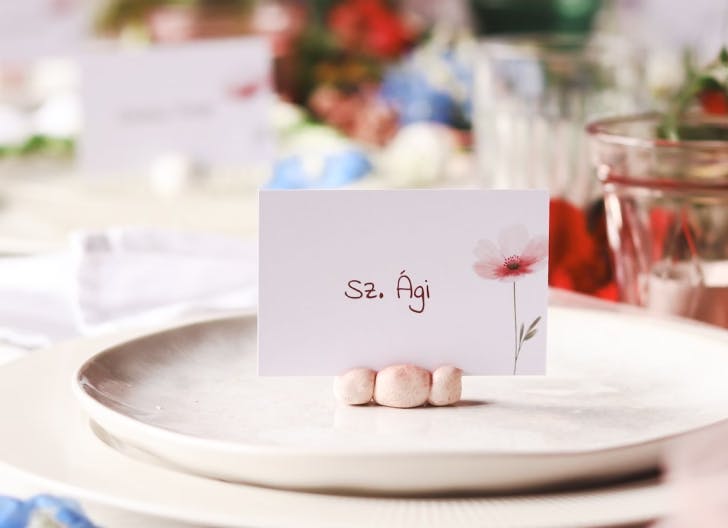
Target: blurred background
{"points": [[173, 113]]}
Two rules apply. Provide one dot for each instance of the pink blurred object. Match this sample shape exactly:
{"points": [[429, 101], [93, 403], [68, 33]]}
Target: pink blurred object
{"points": [[171, 24], [282, 21], [180, 23], [696, 468], [361, 115]]}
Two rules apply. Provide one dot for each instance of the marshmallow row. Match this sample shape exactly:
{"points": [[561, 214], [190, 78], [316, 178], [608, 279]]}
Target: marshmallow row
{"points": [[402, 386]]}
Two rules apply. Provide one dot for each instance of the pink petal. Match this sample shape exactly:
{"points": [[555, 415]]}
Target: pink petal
{"points": [[487, 250], [535, 252], [513, 239], [488, 269], [537, 248]]}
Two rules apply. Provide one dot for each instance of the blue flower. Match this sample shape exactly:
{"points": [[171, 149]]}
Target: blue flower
{"points": [[13, 513], [433, 84], [320, 171], [415, 98], [55, 511]]}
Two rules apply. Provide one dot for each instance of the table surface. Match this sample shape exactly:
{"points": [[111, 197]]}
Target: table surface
{"points": [[42, 202], [40, 207]]}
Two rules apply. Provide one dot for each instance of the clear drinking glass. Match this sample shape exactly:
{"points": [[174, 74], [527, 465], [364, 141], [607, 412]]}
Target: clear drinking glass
{"points": [[533, 96], [667, 213]]}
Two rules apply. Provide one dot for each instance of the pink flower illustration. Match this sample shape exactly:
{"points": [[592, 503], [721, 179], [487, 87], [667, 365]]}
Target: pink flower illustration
{"points": [[515, 256]]}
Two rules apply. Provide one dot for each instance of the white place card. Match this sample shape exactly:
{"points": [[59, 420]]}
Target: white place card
{"points": [[362, 278], [207, 100]]}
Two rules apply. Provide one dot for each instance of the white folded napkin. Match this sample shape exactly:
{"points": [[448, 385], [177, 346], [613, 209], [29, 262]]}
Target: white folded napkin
{"points": [[123, 277], [130, 276], [35, 301]]}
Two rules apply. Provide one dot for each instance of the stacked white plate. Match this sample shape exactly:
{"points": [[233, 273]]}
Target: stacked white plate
{"points": [[176, 424]]}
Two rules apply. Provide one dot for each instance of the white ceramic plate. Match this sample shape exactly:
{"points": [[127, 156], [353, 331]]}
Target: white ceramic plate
{"points": [[619, 388], [46, 443]]}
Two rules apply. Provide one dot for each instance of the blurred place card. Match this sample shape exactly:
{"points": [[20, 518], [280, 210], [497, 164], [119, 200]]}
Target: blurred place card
{"points": [[209, 101], [31, 29], [363, 278]]}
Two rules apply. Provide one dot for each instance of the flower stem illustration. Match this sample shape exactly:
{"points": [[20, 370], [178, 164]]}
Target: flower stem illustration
{"points": [[515, 331], [515, 256]]}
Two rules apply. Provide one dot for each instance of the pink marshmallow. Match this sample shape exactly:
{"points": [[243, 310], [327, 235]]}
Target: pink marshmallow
{"points": [[447, 385], [355, 386], [402, 386]]}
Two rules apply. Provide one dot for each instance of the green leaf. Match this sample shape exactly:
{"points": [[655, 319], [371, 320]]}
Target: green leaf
{"points": [[534, 323], [530, 334], [724, 55], [520, 338], [706, 83]]}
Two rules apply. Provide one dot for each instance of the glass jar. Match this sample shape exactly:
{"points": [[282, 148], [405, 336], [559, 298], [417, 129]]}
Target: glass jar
{"points": [[667, 212], [533, 97]]}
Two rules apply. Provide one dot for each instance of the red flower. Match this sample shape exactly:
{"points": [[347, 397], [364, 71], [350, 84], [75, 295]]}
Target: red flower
{"points": [[369, 27], [714, 102], [515, 255], [578, 256]]}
